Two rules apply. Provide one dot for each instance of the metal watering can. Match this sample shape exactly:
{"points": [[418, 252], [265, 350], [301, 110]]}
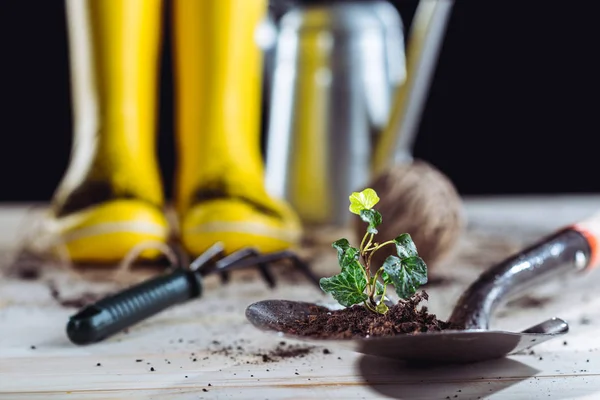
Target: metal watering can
{"points": [[345, 102]]}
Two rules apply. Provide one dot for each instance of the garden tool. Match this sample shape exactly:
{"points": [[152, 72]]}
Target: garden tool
{"points": [[108, 316], [343, 105], [567, 251]]}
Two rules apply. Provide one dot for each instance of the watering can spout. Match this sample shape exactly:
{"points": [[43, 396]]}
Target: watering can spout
{"points": [[394, 145]]}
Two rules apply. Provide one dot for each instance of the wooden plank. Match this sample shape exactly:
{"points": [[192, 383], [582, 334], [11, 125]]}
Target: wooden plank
{"points": [[57, 369]]}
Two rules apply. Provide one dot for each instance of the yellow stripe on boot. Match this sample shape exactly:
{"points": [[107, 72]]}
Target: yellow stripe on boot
{"points": [[106, 233], [237, 224]]}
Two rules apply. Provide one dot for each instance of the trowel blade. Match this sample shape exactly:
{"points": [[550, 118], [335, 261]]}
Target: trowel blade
{"points": [[452, 346]]}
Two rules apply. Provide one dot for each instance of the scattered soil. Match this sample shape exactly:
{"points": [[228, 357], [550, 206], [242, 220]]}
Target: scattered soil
{"points": [[529, 302], [28, 273], [357, 321], [290, 351], [80, 301], [237, 352]]}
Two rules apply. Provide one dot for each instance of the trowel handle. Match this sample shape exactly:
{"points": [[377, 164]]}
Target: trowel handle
{"points": [[114, 313], [571, 249]]}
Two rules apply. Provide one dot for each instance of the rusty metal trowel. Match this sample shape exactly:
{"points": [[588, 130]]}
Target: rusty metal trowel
{"points": [[569, 250]]}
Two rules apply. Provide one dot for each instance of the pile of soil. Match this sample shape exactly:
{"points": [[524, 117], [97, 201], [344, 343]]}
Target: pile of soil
{"points": [[357, 321]]}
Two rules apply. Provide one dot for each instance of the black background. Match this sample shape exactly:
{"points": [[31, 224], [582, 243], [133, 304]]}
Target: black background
{"points": [[513, 107]]}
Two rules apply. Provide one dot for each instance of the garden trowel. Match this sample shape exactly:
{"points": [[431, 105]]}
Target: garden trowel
{"points": [[572, 249]]}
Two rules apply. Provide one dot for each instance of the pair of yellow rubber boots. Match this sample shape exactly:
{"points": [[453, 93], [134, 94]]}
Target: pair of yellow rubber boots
{"points": [[111, 197]]}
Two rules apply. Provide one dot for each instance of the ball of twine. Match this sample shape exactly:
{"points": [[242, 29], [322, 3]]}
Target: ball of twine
{"points": [[419, 200]]}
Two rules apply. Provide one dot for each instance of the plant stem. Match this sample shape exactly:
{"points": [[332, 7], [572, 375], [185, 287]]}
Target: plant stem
{"points": [[369, 260], [373, 290], [370, 240], [369, 307], [363, 242], [377, 247], [367, 275]]}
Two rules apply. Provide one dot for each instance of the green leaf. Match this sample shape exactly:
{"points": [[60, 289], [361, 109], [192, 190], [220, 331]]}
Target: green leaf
{"points": [[386, 278], [364, 200], [373, 218], [381, 308], [341, 246], [348, 287], [350, 257], [346, 254], [405, 246], [406, 275]]}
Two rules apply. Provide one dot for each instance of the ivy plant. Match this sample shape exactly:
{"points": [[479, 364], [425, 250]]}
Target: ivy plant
{"points": [[356, 284]]}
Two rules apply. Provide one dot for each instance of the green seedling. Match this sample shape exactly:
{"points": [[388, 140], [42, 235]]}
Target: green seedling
{"points": [[356, 284]]}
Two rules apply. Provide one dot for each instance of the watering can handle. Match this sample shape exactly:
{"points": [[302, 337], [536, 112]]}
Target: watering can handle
{"points": [[571, 249], [394, 145]]}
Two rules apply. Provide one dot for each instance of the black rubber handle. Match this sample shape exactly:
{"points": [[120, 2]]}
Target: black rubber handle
{"points": [[565, 251], [112, 314]]}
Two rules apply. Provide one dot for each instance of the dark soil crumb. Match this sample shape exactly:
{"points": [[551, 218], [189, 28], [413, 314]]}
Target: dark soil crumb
{"points": [[326, 351], [585, 321], [28, 273], [357, 321], [291, 351], [80, 301], [152, 369], [284, 352], [32, 347], [205, 390], [209, 384], [565, 343], [529, 302], [98, 365], [25, 266]]}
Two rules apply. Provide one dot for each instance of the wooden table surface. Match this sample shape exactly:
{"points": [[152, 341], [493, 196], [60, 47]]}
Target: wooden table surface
{"points": [[206, 348]]}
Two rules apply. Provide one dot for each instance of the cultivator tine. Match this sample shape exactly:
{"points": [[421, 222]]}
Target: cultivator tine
{"points": [[245, 258], [304, 268], [203, 259], [228, 263], [250, 257]]}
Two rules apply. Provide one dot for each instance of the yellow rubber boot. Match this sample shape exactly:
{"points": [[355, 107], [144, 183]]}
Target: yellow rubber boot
{"points": [[110, 198], [220, 188]]}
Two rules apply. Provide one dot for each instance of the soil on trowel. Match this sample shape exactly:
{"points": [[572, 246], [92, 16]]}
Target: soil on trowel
{"points": [[357, 321]]}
